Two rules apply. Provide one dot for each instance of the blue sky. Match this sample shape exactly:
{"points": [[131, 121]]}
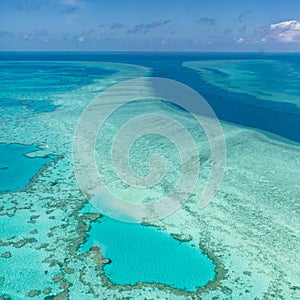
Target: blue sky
{"points": [[156, 25]]}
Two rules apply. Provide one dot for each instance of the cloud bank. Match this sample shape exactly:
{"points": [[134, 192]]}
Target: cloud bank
{"points": [[286, 32], [144, 28], [205, 20]]}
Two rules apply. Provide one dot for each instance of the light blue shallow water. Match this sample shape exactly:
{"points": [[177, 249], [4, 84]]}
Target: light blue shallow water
{"points": [[16, 170], [145, 254], [138, 253], [36, 106]]}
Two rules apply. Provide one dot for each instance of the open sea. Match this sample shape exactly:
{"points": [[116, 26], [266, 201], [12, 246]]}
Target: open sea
{"points": [[244, 245]]}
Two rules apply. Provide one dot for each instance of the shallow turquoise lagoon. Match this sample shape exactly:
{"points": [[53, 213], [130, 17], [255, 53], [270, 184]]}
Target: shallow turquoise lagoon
{"points": [[145, 254], [36, 106], [17, 169]]}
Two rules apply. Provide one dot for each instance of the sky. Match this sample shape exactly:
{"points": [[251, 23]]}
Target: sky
{"points": [[156, 25]]}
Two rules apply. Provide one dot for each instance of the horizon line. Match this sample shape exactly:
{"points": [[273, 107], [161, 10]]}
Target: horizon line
{"points": [[150, 51]]}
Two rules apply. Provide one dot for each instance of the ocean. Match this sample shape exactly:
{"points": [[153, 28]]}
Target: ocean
{"points": [[243, 245]]}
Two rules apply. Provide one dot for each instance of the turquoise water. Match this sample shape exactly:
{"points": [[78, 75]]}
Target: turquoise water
{"points": [[151, 255], [38, 84], [36, 106], [16, 169], [251, 226], [146, 254], [143, 149], [47, 77]]}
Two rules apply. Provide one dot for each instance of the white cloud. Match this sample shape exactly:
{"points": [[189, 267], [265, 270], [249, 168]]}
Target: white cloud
{"points": [[240, 41], [72, 6], [40, 34], [286, 25], [263, 40], [81, 39], [286, 32], [85, 35]]}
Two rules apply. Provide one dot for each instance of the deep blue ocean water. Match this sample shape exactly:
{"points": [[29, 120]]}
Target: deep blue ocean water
{"points": [[265, 116]]}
